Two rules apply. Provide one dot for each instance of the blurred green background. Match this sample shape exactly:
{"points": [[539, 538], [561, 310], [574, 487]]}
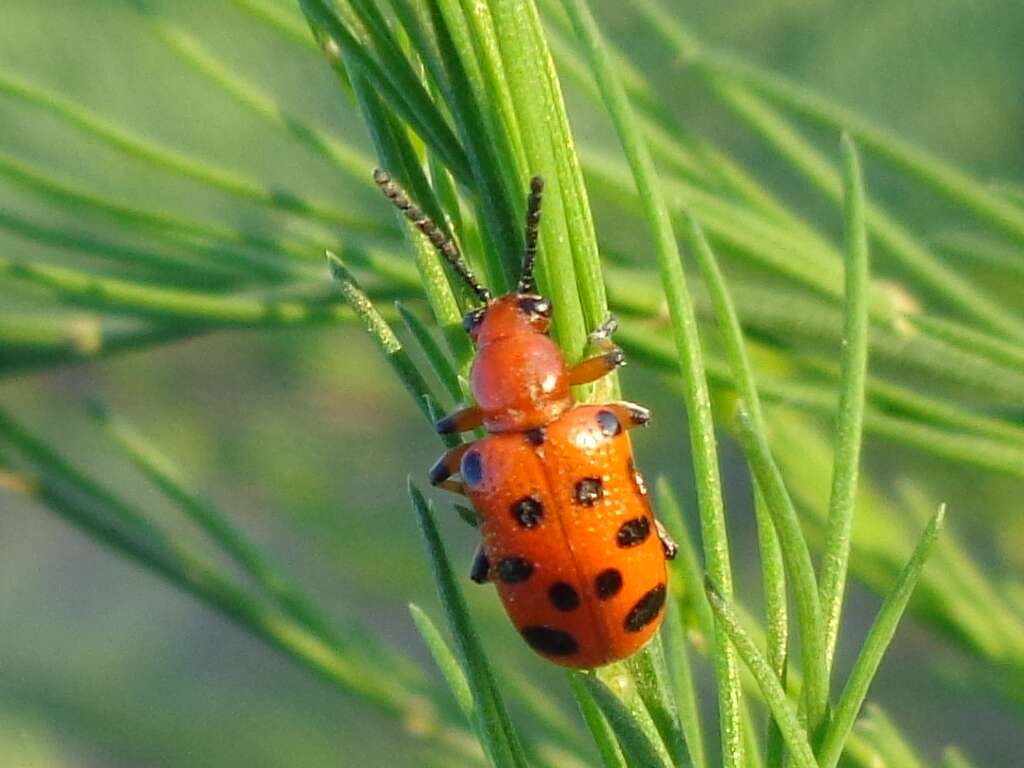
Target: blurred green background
{"points": [[306, 438]]}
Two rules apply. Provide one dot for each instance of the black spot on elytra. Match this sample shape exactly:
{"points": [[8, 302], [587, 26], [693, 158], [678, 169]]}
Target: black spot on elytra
{"points": [[609, 423], [646, 609], [608, 583], [588, 491], [536, 437], [472, 468], [514, 570], [633, 532], [553, 642], [563, 596], [528, 511]]}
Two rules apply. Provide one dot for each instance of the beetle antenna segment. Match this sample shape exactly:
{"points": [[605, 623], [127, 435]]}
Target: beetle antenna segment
{"points": [[526, 282], [444, 244]]}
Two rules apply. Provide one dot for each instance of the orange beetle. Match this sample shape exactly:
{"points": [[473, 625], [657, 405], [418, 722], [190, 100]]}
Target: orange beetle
{"points": [[569, 537]]}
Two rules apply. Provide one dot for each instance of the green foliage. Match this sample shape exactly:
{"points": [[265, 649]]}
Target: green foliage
{"points": [[877, 641], [499, 740], [636, 746], [782, 708], [463, 102]]}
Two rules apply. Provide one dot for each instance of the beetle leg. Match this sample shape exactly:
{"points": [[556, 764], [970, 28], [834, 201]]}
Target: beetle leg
{"points": [[667, 544], [446, 466], [453, 486], [460, 421], [593, 368], [630, 415], [611, 357], [480, 570], [602, 335]]}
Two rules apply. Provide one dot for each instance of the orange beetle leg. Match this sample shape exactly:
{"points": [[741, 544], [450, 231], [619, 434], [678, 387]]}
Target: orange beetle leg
{"points": [[446, 466], [481, 568], [453, 486], [460, 421], [667, 543], [593, 368]]}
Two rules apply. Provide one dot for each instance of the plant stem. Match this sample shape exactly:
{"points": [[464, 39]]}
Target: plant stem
{"points": [[687, 341], [797, 559], [781, 707], [499, 738], [850, 418], [875, 645]]}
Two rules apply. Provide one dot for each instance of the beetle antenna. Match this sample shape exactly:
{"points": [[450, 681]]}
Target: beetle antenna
{"points": [[527, 284], [444, 244]]}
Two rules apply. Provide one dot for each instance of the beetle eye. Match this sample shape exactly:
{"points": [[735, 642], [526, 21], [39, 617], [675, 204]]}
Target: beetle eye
{"points": [[536, 305], [473, 319]]}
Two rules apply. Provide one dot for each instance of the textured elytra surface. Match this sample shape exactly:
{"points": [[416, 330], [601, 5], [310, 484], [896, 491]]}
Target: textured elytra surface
{"points": [[587, 599]]}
